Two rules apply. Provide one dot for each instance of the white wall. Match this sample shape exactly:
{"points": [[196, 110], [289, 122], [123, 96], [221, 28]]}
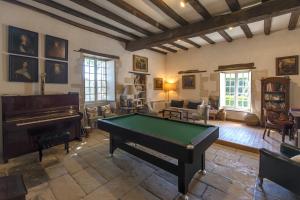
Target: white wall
{"points": [[20, 17], [262, 50]]}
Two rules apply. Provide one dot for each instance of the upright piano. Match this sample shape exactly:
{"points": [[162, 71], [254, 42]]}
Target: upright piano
{"points": [[24, 118]]}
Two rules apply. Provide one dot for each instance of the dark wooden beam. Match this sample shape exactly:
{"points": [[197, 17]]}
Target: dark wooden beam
{"points": [[294, 20], [200, 8], [169, 11], [267, 25], [139, 14], [192, 43], [102, 11], [225, 35], [73, 12], [158, 51], [167, 48], [207, 39], [244, 16], [67, 21], [234, 5]]}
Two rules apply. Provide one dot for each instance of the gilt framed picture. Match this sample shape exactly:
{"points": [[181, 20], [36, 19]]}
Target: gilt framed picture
{"points": [[23, 69], [56, 48], [188, 82], [158, 84], [140, 63], [56, 72], [21, 41], [288, 65]]}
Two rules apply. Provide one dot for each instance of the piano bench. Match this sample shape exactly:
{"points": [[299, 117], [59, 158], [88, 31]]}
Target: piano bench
{"points": [[52, 139]]}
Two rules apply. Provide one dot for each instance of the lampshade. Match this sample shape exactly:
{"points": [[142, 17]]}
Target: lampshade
{"points": [[129, 90], [170, 86]]}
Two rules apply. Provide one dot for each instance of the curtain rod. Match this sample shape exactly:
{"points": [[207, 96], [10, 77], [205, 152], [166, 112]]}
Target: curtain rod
{"points": [[81, 50]]}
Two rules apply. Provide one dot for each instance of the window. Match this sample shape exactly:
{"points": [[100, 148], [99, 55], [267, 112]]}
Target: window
{"points": [[98, 79], [235, 90]]}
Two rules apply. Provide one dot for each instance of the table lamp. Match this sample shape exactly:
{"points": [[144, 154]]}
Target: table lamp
{"points": [[169, 87], [130, 91]]}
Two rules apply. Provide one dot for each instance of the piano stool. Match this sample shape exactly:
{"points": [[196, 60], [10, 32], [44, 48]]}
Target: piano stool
{"points": [[12, 188], [51, 139]]}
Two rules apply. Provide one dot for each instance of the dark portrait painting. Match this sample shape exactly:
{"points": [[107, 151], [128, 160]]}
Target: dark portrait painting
{"points": [[188, 82], [56, 72], [56, 48], [140, 63], [22, 41], [287, 66], [158, 84], [23, 69]]}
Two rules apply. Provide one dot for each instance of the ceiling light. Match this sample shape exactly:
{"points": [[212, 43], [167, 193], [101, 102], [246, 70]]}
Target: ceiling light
{"points": [[182, 4], [230, 28]]}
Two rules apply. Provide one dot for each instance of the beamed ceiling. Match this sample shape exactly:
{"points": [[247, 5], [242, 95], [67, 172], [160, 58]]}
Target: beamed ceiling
{"points": [[165, 26]]}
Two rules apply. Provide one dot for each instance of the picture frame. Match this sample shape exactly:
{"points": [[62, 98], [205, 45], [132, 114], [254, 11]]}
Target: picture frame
{"points": [[188, 82], [158, 83], [288, 65], [56, 72], [23, 42], [56, 48], [140, 63], [23, 69]]}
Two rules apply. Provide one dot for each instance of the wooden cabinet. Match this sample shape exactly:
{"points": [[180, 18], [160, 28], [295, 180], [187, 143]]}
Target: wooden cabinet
{"points": [[275, 95]]}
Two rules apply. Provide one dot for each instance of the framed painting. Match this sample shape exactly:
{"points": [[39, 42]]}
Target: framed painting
{"points": [[56, 72], [23, 69], [140, 63], [188, 82], [56, 48], [158, 84], [21, 41], [288, 65]]}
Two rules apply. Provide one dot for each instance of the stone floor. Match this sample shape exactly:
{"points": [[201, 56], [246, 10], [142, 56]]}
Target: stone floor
{"points": [[88, 173]]}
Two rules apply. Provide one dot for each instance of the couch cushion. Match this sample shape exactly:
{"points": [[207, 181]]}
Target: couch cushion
{"points": [[177, 104], [193, 105], [296, 158]]}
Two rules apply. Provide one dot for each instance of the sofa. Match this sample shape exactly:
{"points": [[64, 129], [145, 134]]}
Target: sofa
{"points": [[191, 109]]}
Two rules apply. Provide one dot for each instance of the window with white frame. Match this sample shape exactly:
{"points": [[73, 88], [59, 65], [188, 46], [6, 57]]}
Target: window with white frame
{"points": [[235, 90], [98, 79]]}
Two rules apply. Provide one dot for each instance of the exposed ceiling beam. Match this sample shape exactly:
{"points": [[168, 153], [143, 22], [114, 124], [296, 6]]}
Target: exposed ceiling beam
{"points": [[225, 35], [139, 14], [73, 12], [294, 20], [102, 11], [67, 21], [234, 5], [192, 43], [248, 15], [200, 8], [158, 51], [267, 25], [207, 39], [179, 46], [206, 15], [167, 48], [169, 11]]}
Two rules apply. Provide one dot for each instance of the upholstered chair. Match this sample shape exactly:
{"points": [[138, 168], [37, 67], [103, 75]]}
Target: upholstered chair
{"points": [[201, 114]]}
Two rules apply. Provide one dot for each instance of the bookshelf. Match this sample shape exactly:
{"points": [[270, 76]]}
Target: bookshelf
{"points": [[275, 95], [140, 84]]}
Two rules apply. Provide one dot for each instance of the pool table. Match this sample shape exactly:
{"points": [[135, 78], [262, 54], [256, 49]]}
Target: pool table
{"points": [[184, 141]]}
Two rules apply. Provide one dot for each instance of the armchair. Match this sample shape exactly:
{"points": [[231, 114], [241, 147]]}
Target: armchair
{"points": [[202, 113], [279, 168]]}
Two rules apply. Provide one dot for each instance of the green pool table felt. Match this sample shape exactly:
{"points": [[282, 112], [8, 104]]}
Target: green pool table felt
{"points": [[182, 133]]}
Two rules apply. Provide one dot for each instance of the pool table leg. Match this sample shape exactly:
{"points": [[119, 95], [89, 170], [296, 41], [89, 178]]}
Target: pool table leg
{"points": [[203, 171], [112, 145], [183, 181]]}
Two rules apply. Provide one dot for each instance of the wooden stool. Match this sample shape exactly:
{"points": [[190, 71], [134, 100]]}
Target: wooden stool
{"points": [[51, 139], [12, 188]]}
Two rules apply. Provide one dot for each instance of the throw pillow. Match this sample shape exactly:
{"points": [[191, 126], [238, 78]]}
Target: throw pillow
{"points": [[296, 158], [193, 105], [92, 112], [177, 104], [106, 109]]}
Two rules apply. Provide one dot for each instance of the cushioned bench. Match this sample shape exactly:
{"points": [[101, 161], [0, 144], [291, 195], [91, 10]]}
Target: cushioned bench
{"points": [[51, 139]]}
